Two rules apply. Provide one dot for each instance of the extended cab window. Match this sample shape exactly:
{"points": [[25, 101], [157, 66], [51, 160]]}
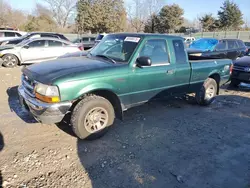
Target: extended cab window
{"points": [[180, 53], [156, 49]]}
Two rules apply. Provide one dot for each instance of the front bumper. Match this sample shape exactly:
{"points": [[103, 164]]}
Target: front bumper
{"points": [[43, 112], [241, 76]]}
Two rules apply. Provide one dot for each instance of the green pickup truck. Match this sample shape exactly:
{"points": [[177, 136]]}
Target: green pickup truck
{"points": [[124, 70]]}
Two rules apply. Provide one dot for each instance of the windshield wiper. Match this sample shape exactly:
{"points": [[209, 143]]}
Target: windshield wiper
{"points": [[110, 59]]}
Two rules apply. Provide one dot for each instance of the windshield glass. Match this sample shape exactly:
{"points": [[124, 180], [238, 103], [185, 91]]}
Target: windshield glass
{"points": [[117, 47], [23, 42], [204, 44]]}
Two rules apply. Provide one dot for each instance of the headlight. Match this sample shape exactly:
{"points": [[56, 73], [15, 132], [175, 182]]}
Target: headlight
{"points": [[4, 43], [49, 94]]}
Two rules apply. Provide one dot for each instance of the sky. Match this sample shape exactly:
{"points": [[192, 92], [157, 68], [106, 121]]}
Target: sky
{"points": [[192, 8]]}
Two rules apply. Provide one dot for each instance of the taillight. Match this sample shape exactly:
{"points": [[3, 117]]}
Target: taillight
{"points": [[81, 48], [231, 68]]}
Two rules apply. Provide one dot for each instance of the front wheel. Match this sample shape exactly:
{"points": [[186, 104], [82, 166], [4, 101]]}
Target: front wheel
{"points": [[207, 92], [92, 116], [10, 60]]}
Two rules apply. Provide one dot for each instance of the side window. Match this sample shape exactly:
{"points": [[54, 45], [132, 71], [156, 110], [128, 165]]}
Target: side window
{"points": [[37, 44], [180, 53], [222, 45], [53, 43], [232, 44], [92, 39], [18, 35], [156, 49], [1, 34], [241, 44], [9, 34], [84, 39]]}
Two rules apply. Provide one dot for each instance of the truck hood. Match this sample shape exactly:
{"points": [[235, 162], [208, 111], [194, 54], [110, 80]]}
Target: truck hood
{"points": [[243, 62], [47, 72]]}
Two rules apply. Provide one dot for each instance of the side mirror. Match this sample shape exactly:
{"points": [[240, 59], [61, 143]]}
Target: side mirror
{"points": [[143, 61], [26, 46]]}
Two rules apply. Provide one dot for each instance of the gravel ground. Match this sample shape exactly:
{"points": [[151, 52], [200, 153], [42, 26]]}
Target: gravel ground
{"points": [[169, 143]]}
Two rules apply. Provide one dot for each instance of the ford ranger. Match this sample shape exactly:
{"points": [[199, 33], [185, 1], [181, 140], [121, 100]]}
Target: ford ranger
{"points": [[122, 71]]}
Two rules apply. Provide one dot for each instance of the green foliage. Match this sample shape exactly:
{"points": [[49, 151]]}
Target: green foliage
{"points": [[230, 16], [208, 22], [170, 18], [101, 16], [181, 30], [151, 24]]}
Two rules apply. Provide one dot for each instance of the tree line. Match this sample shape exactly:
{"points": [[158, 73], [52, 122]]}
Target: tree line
{"points": [[96, 16]]}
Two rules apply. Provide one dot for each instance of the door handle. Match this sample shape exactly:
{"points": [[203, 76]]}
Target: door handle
{"points": [[171, 71]]}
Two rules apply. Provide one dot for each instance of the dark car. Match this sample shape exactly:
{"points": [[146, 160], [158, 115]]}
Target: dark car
{"points": [[241, 71], [214, 48], [87, 42], [33, 35]]}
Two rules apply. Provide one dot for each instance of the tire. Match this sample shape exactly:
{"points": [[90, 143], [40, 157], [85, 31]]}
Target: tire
{"points": [[10, 60], [207, 93], [234, 83], [86, 119]]}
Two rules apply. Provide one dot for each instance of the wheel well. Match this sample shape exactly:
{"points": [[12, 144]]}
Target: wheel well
{"points": [[216, 77], [110, 96], [113, 99]]}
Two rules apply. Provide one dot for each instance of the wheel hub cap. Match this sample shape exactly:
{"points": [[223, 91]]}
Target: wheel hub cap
{"points": [[96, 119]]}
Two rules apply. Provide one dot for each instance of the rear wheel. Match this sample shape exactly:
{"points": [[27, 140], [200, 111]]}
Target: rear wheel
{"points": [[92, 117], [10, 60], [234, 83], [207, 93]]}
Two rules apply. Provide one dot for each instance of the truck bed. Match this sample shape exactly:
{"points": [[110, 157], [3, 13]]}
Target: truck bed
{"points": [[201, 69]]}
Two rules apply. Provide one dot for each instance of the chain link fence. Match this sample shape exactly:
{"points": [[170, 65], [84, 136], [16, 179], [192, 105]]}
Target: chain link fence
{"points": [[243, 35]]}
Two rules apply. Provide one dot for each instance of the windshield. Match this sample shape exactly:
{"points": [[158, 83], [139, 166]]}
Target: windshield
{"points": [[99, 37], [204, 44], [117, 47], [23, 42]]}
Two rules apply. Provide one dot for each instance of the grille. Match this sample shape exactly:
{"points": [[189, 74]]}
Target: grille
{"points": [[28, 85], [239, 68]]}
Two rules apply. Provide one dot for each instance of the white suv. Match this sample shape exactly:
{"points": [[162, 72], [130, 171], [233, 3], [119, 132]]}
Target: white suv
{"points": [[10, 34]]}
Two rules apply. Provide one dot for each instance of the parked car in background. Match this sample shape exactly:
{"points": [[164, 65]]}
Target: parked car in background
{"points": [[10, 34], [189, 39], [99, 38], [33, 35], [247, 44], [35, 50], [124, 70], [241, 71], [86, 42], [214, 48]]}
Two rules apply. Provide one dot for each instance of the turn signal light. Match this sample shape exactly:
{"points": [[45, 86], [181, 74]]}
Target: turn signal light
{"points": [[231, 68], [47, 99]]}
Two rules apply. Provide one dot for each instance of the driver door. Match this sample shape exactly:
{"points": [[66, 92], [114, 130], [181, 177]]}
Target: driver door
{"points": [[33, 51], [149, 81]]}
